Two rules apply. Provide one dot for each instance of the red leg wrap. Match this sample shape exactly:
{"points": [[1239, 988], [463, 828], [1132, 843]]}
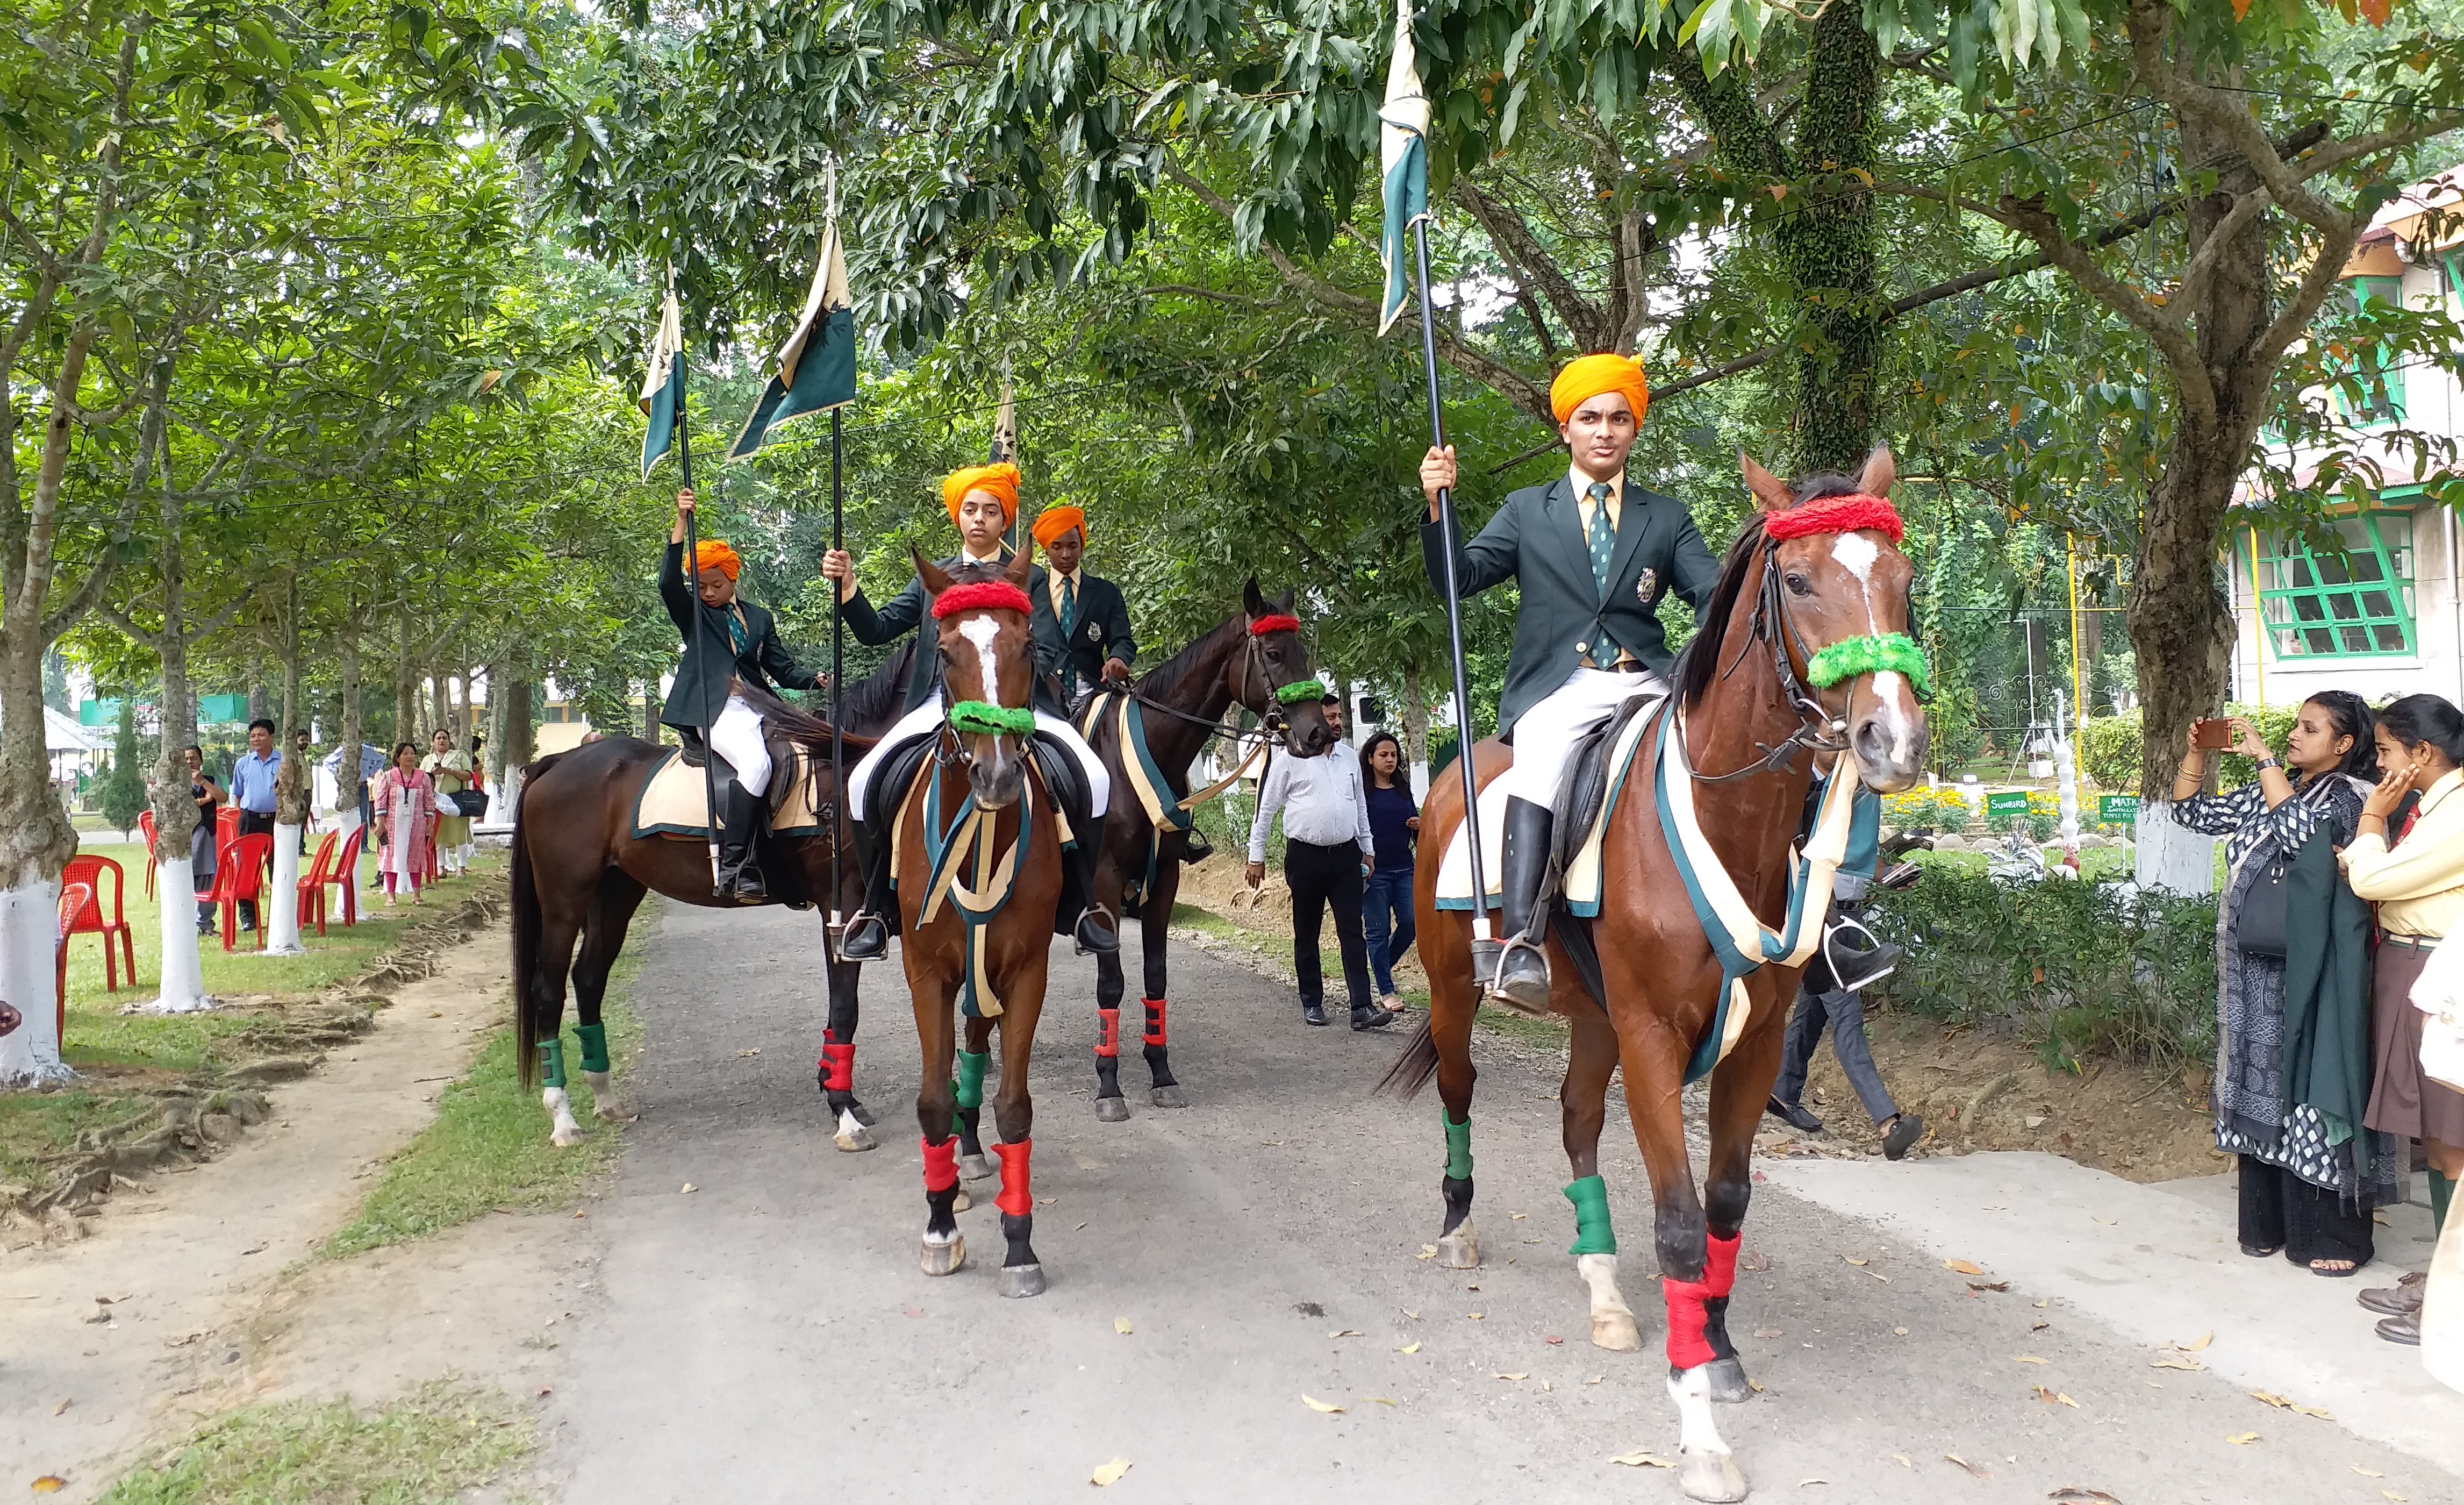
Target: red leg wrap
{"points": [[1107, 1040], [1720, 1263], [838, 1062], [1155, 1022], [941, 1164], [1687, 1348], [1015, 1199]]}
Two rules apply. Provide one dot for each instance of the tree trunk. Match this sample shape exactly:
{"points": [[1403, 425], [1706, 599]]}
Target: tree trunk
{"points": [[36, 842], [256, 702], [295, 712], [1416, 731], [350, 734], [1829, 249], [516, 744], [175, 814], [440, 707]]}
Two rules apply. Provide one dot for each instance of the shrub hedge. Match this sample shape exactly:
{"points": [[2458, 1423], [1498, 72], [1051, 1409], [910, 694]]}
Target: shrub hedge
{"points": [[2109, 748]]}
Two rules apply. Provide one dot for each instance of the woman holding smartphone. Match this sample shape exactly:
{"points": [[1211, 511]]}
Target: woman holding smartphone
{"points": [[2416, 875]]}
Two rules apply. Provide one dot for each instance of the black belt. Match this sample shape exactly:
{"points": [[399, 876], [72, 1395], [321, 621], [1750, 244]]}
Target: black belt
{"points": [[2415, 942]]}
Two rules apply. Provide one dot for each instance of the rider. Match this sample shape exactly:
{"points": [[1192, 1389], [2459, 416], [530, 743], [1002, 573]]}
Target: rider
{"points": [[1594, 553], [981, 500], [707, 703], [1082, 624]]}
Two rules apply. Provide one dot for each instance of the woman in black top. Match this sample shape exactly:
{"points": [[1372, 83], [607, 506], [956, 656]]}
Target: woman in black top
{"points": [[1386, 899], [208, 795]]}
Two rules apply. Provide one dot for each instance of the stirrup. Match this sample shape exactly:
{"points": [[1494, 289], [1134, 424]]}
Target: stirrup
{"points": [[1109, 931], [1520, 946], [1856, 957], [865, 937]]}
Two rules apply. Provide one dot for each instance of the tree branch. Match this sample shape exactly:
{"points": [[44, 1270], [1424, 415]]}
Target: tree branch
{"points": [[1531, 261], [2181, 352]]}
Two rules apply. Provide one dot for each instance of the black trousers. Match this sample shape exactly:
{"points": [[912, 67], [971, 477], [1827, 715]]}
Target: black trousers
{"points": [[1320, 877], [2280, 1208], [252, 824]]}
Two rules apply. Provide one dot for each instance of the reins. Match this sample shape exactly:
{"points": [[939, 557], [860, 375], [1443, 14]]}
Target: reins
{"points": [[1816, 728]]}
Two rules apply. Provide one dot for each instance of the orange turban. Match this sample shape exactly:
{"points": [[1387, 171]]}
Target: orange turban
{"points": [[715, 554], [1587, 377], [1002, 480], [1057, 520]]}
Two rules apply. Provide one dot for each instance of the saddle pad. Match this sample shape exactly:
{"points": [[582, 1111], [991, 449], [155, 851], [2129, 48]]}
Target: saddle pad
{"points": [[674, 801], [1580, 889], [1145, 777]]}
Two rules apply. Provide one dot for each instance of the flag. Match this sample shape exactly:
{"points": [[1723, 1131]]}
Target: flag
{"points": [[1403, 148], [663, 379], [817, 365], [1005, 447]]}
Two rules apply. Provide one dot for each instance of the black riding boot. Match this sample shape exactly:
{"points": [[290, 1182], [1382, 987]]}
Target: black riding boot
{"points": [[1094, 930], [1522, 971], [740, 877], [866, 937], [1195, 848]]}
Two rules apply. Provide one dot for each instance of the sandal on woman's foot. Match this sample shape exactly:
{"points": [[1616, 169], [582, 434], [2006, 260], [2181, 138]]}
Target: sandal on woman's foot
{"points": [[2326, 1269], [2257, 1253]]}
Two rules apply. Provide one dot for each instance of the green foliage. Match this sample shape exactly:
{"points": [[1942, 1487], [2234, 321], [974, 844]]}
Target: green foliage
{"points": [[427, 1449], [2109, 753], [2081, 968], [121, 799], [1940, 811]]}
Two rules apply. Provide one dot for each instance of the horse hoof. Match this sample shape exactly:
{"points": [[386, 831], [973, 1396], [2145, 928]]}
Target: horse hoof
{"points": [[1713, 1477], [1728, 1377], [565, 1135], [855, 1137], [1615, 1332], [862, 1114], [944, 1259], [617, 1109], [1460, 1250], [975, 1167], [1169, 1097], [1111, 1110], [1021, 1281], [959, 1201]]}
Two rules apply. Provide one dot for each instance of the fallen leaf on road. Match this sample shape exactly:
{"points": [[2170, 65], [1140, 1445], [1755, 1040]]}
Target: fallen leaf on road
{"points": [[50, 1484], [2176, 1364], [2026, 1359], [1860, 1263], [1901, 1459], [1643, 1460], [2038, 1327], [2107, 1222], [1045, 1202], [1990, 1285], [1318, 1405], [1960, 1267], [756, 1050], [1753, 1259], [1897, 1332], [1473, 1316], [1410, 1348], [1980, 1472], [1080, 1228], [1121, 1325], [1755, 1386], [2066, 1400], [2391, 1495], [687, 1190], [2242, 1439], [2367, 1473], [1517, 1216], [2080, 1495], [1879, 1275], [1408, 1312], [1427, 1252], [1554, 1341], [63, 1406], [1519, 1373], [547, 1390], [2044, 1303], [1108, 1472], [1349, 1332], [2196, 1344], [1818, 1479], [1379, 1399]]}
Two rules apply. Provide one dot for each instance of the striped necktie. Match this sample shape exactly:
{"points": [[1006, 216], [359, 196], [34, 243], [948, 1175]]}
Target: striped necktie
{"points": [[1068, 605], [1603, 537]]}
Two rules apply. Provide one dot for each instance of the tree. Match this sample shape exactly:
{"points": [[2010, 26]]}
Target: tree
{"points": [[121, 799]]}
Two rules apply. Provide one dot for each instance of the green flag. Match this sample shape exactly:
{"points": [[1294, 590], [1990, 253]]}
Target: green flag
{"points": [[817, 365], [663, 379], [1404, 146]]}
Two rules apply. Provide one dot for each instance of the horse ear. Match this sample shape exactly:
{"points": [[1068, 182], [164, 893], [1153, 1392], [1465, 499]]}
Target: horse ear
{"points": [[1768, 490], [935, 579], [1283, 603], [1879, 473], [1253, 601], [1020, 567]]}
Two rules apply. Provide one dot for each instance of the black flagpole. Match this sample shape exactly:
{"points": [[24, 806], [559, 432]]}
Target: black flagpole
{"points": [[1484, 943], [838, 744], [692, 565]]}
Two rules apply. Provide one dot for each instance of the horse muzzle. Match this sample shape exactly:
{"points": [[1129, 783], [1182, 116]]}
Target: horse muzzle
{"points": [[996, 776], [1887, 733]]}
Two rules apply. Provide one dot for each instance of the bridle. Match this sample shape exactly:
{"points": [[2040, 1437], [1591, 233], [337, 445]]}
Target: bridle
{"points": [[964, 718], [1248, 677]]}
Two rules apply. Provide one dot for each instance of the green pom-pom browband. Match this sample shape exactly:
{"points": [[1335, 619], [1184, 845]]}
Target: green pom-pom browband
{"points": [[1299, 691], [1872, 654], [981, 719]]}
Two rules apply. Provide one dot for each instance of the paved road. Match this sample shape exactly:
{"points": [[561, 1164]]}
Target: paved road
{"points": [[769, 1338]]}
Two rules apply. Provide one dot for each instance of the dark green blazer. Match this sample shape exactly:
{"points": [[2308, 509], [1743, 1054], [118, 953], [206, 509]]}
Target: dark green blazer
{"points": [[1101, 632], [1538, 538], [906, 611], [706, 670]]}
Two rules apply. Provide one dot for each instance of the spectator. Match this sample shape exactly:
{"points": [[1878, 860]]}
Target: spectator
{"points": [[354, 803], [2417, 879], [404, 800], [2307, 1187], [448, 769], [207, 795], [252, 779], [1328, 849], [1386, 898]]}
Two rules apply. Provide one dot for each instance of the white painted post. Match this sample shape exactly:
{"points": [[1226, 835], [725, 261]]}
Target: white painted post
{"points": [[282, 905], [184, 968], [2170, 856], [29, 921]]}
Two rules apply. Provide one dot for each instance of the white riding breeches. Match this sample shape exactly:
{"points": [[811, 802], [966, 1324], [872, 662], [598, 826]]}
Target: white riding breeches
{"points": [[737, 738], [926, 718], [1545, 734]]}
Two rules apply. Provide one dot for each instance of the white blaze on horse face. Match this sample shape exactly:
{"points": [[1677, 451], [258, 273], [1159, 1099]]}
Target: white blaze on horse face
{"points": [[984, 631], [1856, 554]]}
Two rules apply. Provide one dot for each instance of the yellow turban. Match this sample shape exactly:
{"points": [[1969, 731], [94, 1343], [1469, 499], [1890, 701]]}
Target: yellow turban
{"points": [[1587, 377], [1057, 520], [1000, 480], [715, 554]]}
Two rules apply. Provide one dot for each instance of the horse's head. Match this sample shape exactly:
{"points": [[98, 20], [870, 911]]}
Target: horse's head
{"points": [[1273, 677], [1842, 593], [987, 668]]}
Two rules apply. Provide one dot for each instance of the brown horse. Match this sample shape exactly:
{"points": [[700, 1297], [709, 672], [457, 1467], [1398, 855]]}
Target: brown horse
{"points": [[978, 866], [1178, 706], [1750, 724]]}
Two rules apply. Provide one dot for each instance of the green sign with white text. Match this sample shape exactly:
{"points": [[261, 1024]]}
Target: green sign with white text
{"points": [[2118, 809], [2007, 801]]}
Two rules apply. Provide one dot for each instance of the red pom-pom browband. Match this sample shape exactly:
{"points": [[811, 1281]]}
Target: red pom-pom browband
{"points": [[1274, 624], [1848, 514], [984, 595]]}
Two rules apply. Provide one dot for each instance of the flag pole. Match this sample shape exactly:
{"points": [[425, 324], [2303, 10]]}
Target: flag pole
{"points": [[838, 734], [1484, 943], [683, 432]]}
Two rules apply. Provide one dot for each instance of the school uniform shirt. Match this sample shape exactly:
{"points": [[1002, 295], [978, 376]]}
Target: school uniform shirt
{"points": [[1321, 801], [2419, 883]]}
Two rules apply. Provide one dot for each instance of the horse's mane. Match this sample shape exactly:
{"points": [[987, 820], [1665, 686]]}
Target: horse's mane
{"points": [[1699, 663], [1165, 678]]}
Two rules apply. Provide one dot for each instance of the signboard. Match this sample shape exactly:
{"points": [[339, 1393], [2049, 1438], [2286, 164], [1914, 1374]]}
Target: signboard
{"points": [[2118, 809], [2006, 801]]}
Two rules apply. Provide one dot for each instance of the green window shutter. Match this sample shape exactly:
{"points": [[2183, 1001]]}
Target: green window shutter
{"points": [[2356, 604]]}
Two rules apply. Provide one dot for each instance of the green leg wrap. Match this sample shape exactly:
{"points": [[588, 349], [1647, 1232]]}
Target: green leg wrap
{"points": [[1458, 1147], [594, 1046], [552, 1062], [970, 1077], [2441, 1191], [1592, 1235]]}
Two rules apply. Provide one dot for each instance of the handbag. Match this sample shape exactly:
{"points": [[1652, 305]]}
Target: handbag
{"points": [[470, 803], [2259, 924]]}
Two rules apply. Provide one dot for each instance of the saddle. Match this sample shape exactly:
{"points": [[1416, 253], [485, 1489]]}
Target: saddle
{"points": [[896, 778], [674, 800]]}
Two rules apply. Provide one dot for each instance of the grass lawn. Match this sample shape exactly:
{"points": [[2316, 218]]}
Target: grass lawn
{"points": [[429, 1447]]}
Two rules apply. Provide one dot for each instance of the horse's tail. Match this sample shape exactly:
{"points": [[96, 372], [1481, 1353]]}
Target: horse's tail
{"points": [[526, 929], [1413, 1069]]}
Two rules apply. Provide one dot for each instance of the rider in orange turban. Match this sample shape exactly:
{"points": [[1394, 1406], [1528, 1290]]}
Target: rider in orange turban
{"points": [[1054, 522], [1587, 377], [999, 480], [715, 554]]}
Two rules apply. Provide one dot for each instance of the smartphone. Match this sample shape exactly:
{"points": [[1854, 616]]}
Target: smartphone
{"points": [[2211, 733]]}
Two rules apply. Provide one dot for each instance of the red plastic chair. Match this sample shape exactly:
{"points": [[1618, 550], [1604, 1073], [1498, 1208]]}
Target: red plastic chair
{"points": [[226, 825], [89, 870], [345, 874], [239, 873], [74, 897], [312, 883], [145, 829]]}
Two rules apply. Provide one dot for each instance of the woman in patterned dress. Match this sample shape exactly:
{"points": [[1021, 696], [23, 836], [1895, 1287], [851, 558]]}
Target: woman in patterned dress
{"points": [[405, 800], [448, 770], [2303, 1191]]}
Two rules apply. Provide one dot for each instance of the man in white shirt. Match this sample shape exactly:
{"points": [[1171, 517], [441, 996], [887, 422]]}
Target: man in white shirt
{"points": [[1327, 851]]}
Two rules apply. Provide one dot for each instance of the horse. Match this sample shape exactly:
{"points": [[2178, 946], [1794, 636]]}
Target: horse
{"points": [[1247, 658], [1799, 601], [977, 852], [578, 874]]}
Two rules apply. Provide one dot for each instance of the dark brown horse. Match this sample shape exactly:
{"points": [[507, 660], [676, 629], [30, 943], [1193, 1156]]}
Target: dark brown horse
{"points": [[1741, 687], [978, 866], [1245, 659]]}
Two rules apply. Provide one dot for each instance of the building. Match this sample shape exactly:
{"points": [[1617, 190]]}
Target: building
{"points": [[2384, 620]]}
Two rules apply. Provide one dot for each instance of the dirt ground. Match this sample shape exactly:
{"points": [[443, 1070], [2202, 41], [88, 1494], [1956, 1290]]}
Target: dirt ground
{"points": [[1974, 1089]]}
